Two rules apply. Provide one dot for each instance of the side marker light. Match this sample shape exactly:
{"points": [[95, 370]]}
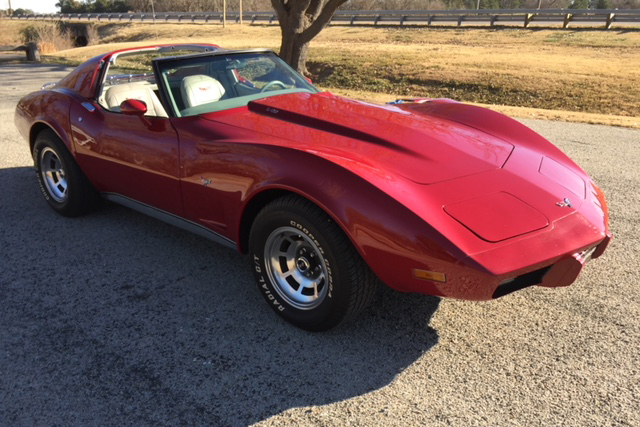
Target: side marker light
{"points": [[429, 275]]}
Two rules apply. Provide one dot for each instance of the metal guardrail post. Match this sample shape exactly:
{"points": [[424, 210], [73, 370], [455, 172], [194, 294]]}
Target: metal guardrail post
{"points": [[527, 19], [567, 18], [460, 19], [610, 19], [430, 20]]}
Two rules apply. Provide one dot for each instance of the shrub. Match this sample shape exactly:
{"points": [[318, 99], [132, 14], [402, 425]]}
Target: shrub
{"points": [[92, 34], [49, 36]]}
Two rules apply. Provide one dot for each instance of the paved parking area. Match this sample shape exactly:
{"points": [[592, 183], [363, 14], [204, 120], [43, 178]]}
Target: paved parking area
{"points": [[116, 319]]}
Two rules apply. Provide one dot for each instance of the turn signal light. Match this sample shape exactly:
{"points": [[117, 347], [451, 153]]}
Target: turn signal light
{"points": [[429, 275]]}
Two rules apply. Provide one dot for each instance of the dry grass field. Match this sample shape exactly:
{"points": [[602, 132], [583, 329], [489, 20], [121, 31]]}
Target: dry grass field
{"points": [[580, 74]]}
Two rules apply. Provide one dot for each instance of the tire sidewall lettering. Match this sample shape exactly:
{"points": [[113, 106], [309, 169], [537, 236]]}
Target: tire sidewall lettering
{"points": [[264, 287], [43, 189], [309, 235], [319, 246]]}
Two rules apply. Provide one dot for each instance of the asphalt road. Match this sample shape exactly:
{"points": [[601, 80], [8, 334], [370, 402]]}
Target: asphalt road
{"points": [[116, 319]]}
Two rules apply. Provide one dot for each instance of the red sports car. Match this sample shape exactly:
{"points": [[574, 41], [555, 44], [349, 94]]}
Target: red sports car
{"points": [[327, 195]]}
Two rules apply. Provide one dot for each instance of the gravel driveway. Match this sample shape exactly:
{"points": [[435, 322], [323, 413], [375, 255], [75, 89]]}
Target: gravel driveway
{"points": [[116, 319]]}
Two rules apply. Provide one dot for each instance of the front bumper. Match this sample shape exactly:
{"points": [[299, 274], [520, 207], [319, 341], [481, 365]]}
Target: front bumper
{"points": [[561, 273]]}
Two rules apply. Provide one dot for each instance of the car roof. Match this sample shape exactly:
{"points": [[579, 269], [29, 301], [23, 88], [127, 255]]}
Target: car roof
{"points": [[199, 49], [218, 52], [162, 48]]}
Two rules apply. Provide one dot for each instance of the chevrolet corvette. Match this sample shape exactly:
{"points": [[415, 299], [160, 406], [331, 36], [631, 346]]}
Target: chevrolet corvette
{"points": [[328, 196]]}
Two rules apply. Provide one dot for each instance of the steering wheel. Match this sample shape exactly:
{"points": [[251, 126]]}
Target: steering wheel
{"points": [[272, 83]]}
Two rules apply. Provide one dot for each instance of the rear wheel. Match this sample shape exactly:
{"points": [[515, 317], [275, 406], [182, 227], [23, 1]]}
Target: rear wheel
{"points": [[306, 268], [62, 183]]}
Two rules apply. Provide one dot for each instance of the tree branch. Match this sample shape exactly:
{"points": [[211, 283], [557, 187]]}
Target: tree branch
{"points": [[281, 9], [297, 16], [300, 6], [321, 21], [281, 5], [315, 8]]}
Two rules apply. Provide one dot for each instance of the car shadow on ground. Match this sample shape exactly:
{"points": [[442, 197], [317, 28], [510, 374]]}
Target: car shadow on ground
{"points": [[118, 319]]}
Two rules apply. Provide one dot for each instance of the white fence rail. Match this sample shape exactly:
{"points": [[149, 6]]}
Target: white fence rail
{"points": [[604, 17]]}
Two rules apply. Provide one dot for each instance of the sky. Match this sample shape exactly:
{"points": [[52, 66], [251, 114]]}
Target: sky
{"points": [[38, 6]]}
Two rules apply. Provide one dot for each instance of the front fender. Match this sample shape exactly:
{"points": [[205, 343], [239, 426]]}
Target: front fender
{"points": [[490, 122], [391, 239]]}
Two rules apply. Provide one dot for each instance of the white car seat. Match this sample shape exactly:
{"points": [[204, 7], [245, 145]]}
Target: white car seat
{"points": [[200, 89], [142, 92]]}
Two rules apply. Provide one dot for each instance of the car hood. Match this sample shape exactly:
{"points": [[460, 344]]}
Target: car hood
{"points": [[423, 149]]}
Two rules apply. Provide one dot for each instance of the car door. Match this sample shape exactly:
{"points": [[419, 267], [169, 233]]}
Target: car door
{"points": [[216, 172], [135, 157]]}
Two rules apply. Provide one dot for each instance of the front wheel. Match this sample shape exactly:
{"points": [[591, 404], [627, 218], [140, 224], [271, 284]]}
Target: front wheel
{"points": [[306, 268]]}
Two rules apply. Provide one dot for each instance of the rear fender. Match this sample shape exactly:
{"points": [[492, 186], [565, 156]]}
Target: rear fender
{"points": [[42, 110]]}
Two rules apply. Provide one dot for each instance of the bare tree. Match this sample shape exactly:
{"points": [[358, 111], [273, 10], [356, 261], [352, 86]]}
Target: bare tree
{"points": [[300, 21]]}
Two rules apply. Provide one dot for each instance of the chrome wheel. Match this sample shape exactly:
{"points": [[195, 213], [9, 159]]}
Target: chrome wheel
{"points": [[305, 266], [53, 175], [296, 268]]}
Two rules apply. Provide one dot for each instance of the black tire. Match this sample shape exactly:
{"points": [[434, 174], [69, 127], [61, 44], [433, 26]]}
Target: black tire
{"points": [[293, 238], [63, 185]]}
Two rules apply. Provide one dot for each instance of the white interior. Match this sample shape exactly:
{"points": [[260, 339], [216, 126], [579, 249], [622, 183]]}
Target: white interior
{"points": [[200, 89], [114, 95]]}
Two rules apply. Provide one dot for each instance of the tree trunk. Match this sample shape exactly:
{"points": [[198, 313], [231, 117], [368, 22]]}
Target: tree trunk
{"points": [[294, 51], [300, 21], [33, 54]]}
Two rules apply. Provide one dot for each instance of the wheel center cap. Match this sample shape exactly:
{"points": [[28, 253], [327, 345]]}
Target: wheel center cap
{"points": [[303, 264]]}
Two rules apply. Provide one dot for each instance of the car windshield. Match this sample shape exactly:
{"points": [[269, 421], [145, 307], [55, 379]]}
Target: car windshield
{"points": [[208, 83]]}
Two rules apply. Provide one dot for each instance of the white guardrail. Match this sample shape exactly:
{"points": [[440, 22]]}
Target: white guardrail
{"points": [[605, 17]]}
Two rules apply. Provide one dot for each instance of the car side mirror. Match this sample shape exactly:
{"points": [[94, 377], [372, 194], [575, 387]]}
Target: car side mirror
{"points": [[308, 79], [133, 107]]}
